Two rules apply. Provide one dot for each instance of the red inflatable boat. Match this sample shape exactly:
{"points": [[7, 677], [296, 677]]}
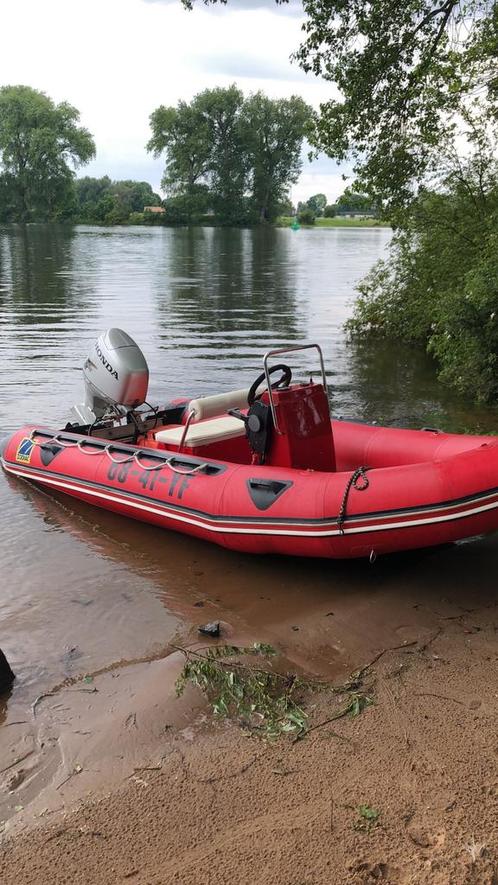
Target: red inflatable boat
{"points": [[269, 472]]}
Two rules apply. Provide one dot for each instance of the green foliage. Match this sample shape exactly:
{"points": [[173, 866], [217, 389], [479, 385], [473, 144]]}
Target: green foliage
{"points": [[306, 216], [368, 813], [357, 704], [261, 698], [233, 156], [206, 163], [317, 204], [404, 72], [369, 817], [189, 207], [287, 208], [439, 287], [351, 201], [221, 110], [41, 144], [104, 201], [274, 133], [184, 135]]}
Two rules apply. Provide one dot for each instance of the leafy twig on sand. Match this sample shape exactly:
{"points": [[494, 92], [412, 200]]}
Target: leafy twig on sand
{"points": [[261, 698], [356, 704], [358, 700]]}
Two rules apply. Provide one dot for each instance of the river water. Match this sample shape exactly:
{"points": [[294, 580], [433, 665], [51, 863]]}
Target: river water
{"points": [[81, 589]]}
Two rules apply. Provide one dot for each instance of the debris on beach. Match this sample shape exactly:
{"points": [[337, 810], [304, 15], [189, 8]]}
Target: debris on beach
{"points": [[211, 629]]}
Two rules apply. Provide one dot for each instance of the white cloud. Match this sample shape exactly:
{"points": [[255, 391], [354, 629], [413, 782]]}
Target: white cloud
{"points": [[285, 7], [248, 65], [117, 60]]}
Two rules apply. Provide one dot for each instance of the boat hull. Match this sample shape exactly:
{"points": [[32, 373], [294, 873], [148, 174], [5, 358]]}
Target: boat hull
{"points": [[449, 494]]}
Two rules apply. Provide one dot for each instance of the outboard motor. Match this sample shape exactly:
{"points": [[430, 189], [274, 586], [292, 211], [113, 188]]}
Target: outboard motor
{"points": [[116, 378]]}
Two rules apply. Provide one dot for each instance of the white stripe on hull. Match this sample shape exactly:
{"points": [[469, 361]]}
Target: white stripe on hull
{"points": [[236, 529]]}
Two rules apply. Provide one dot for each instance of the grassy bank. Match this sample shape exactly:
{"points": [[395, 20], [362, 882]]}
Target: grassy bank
{"points": [[287, 221]]}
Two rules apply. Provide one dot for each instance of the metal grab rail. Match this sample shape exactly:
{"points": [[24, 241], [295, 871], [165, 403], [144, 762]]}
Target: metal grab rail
{"points": [[279, 352], [190, 418]]}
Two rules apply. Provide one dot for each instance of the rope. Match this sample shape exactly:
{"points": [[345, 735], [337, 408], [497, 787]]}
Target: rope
{"points": [[196, 469], [359, 473], [136, 456]]}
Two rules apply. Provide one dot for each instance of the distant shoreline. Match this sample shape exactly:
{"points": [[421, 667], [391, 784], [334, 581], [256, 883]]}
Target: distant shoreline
{"points": [[283, 222], [337, 221]]}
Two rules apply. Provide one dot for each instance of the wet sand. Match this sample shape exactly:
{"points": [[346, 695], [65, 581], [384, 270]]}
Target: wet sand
{"points": [[121, 781]]}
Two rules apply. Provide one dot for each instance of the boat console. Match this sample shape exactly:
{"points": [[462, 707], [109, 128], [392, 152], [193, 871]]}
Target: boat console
{"points": [[274, 422]]}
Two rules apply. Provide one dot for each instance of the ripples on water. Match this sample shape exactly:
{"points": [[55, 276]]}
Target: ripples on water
{"points": [[204, 305]]}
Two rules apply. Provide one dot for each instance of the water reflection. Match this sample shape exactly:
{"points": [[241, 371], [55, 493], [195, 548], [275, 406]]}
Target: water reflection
{"points": [[231, 295], [397, 385], [204, 305], [32, 258]]}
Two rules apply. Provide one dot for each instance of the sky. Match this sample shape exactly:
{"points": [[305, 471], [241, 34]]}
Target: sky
{"points": [[117, 60]]}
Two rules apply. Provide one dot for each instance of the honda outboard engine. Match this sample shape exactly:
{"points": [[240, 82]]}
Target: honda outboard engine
{"points": [[116, 378]]}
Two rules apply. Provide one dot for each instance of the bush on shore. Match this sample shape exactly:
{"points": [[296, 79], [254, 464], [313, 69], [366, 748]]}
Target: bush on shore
{"points": [[439, 286], [306, 216]]}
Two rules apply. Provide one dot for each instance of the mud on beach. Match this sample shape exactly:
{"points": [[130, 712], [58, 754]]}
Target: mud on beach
{"points": [[121, 781]]}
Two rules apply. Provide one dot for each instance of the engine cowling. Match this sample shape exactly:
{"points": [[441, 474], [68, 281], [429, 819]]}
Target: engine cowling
{"points": [[115, 374]]}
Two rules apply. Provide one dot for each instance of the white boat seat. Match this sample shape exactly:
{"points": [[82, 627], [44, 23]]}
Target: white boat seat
{"points": [[203, 433]]}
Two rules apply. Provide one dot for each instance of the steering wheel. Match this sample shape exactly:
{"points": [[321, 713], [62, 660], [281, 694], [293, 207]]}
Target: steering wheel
{"points": [[283, 381]]}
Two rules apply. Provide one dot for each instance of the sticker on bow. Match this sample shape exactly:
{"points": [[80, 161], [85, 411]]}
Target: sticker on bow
{"points": [[24, 450]]}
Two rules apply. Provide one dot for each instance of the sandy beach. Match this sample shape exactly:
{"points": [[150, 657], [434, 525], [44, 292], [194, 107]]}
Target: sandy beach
{"points": [[157, 792]]}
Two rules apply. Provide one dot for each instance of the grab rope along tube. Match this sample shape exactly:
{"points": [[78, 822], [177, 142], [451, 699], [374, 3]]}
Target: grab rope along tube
{"points": [[135, 456]]}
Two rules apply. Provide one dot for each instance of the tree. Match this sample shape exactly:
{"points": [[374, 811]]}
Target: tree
{"points": [[314, 205], [274, 134], [317, 204], [185, 137], [287, 208], [90, 192], [111, 202], [184, 208], [41, 144], [220, 110], [438, 288], [306, 215], [404, 72], [204, 149], [237, 157], [354, 202]]}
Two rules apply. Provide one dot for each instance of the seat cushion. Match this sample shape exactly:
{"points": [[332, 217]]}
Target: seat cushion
{"points": [[203, 433], [219, 404]]}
